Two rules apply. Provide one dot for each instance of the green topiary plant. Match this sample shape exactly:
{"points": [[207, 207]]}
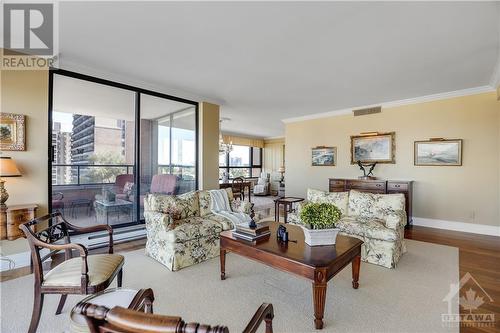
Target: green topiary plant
{"points": [[319, 215]]}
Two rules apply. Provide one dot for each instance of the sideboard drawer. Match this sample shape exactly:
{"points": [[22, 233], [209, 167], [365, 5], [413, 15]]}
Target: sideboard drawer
{"points": [[337, 182], [366, 186], [396, 186]]}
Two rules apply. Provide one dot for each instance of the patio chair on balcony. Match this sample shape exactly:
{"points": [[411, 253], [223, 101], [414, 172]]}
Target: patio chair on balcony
{"points": [[57, 202], [120, 182], [164, 184]]}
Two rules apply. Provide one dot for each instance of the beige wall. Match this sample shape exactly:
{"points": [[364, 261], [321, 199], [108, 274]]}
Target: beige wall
{"points": [[469, 193], [273, 154], [209, 146], [26, 92]]}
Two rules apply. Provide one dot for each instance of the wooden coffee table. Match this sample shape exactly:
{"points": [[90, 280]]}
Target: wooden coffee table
{"points": [[316, 263]]}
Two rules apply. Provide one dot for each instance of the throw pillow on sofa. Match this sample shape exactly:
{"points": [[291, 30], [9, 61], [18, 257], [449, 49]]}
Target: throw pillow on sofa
{"points": [[339, 199], [382, 206], [178, 206]]}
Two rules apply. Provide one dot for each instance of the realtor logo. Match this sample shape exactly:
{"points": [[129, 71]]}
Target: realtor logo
{"points": [[470, 296], [28, 28]]}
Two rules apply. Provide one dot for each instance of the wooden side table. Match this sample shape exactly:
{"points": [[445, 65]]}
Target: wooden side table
{"points": [[12, 216], [287, 203]]}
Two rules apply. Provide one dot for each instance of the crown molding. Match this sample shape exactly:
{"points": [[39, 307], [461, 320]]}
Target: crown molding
{"points": [[392, 104]]}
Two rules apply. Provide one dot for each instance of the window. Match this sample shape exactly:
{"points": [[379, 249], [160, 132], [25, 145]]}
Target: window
{"points": [[109, 141], [242, 161]]}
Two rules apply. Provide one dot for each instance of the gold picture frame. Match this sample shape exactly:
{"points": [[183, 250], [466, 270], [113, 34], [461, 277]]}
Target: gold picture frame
{"points": [[373, 147], [438, 152], [12, 131], [324, 156]]}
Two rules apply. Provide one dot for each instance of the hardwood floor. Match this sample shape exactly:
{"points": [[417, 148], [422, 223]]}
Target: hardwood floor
{"points": [[479, 255]]}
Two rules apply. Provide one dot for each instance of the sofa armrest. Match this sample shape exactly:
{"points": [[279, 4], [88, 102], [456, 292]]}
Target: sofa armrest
{"points": [[395, 219], [157, 223], [239, 206]]}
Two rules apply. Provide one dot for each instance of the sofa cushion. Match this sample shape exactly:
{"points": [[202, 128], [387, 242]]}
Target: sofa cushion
{"points": [[193, 228], [373, 228], [374, 205], [178, 206], [225, 223], [205, 201], [339, 199]]}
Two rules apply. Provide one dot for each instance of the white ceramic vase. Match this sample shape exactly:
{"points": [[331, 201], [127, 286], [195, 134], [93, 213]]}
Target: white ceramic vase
{"points": [[320, 237]]}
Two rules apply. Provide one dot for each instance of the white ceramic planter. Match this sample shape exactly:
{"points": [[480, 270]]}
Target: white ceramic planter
{"points": [[320, 237]]}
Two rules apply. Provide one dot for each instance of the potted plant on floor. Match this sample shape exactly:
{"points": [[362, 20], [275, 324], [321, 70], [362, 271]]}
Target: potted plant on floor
{"points": [[319, 223]]}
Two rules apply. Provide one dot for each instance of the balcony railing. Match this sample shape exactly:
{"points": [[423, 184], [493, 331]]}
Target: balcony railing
{"points": [[101, 174]]}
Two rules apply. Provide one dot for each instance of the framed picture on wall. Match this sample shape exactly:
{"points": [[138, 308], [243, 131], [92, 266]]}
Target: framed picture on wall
{"points": [[324, 156], [12, 131], [438, 152], [371, 148]]}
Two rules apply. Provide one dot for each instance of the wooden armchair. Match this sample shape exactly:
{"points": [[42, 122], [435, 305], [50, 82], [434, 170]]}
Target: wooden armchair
{"points": [[84, 275], [120, 320]]}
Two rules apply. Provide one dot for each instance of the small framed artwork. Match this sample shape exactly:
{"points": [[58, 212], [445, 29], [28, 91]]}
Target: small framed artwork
{"points": [[438, 152], [12, 131], [324, 156], [371, 148]]}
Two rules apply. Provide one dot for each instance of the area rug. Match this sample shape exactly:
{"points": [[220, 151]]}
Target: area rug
{"points": [[406, 299]]}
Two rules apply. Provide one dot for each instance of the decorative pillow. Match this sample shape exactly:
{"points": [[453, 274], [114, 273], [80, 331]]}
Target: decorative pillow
{"points": [[179, 207], [128, 188], [205, 201], [339, 199], [375, 205]]}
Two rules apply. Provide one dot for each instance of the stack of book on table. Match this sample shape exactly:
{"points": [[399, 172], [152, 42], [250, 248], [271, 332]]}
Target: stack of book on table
{"points": [[243, 231]]}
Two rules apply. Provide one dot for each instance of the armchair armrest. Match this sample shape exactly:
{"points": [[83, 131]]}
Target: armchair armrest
{"points": [[395, 219], [84, 230], [158, 223], [265, 312]]}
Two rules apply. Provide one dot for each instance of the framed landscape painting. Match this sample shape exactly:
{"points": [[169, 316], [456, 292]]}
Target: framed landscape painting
{"points": [[12, 132], [378, 148], [438, 153], [324, 156]]}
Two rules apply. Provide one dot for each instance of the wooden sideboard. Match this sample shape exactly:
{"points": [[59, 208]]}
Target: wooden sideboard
{"points": [[12, 216], [376, 186]]}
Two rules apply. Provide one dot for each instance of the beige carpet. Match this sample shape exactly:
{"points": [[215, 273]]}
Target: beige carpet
{"points": [[407, 299]]}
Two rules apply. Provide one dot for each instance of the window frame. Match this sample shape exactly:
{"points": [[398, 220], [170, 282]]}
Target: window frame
{"points": [[251, 165]]}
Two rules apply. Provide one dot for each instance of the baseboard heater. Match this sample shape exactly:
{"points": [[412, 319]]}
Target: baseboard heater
{"points": [[100, 239]]}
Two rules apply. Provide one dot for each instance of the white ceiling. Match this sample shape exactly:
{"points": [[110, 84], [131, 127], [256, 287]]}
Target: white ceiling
{"points": [[267, 61]]}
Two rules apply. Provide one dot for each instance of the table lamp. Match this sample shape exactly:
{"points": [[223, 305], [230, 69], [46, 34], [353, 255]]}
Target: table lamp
{"points": [[8, 168], [282, 171]]}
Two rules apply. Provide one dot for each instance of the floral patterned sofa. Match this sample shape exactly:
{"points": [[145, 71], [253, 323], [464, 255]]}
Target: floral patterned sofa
{"points": [[182, 230], [377, 219]]}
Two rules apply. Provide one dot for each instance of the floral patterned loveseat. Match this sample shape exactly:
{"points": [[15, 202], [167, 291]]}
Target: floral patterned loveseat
{"points": [[182, 230], [377, 219]]}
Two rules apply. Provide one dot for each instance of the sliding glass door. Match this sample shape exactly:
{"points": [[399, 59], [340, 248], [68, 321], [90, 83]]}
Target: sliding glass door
{"points": [[111, 144]]}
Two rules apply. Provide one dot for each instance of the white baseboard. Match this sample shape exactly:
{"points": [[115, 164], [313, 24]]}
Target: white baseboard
{"points": [[482, 229], [22, 259]]}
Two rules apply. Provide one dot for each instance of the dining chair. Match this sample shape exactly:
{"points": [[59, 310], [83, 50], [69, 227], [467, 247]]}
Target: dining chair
{"points": [[86, 274], [238, 188], [120, 320]]}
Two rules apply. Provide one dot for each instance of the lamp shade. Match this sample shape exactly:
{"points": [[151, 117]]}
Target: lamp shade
{"points": [[8, 167]]}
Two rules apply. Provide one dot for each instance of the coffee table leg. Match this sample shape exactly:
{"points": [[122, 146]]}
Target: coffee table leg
{"points": [[319, 298], [222, 264], [356, 263]]}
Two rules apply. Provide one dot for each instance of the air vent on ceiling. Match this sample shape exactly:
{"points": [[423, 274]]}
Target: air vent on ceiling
{"points": [[363, 112]]}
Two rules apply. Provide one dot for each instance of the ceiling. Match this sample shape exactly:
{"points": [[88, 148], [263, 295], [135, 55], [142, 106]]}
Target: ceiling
{"points": [[268, 61], [83, 97]]}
